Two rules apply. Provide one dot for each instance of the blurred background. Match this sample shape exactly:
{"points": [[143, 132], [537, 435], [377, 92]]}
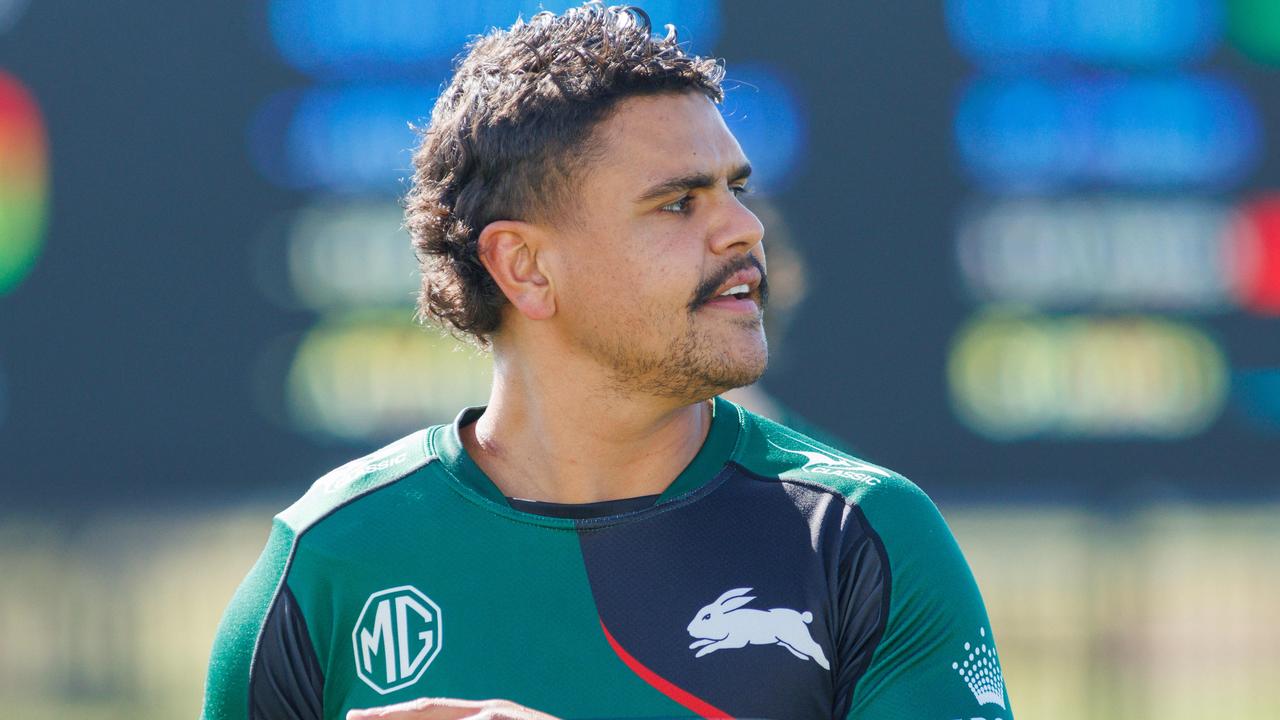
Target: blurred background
{"points": [[1026, 252]]}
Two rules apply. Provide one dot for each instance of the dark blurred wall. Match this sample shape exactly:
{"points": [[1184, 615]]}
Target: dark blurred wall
{"points": [[179, 339]]}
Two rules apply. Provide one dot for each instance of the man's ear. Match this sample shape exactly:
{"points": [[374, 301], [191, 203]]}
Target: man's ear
{"points": [[510, 249]]}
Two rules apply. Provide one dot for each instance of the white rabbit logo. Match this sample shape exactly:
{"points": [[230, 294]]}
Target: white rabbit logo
{"points": [[722, 625]]}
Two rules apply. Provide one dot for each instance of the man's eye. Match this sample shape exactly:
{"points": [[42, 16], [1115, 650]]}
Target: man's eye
{"points": [[679, 206]]}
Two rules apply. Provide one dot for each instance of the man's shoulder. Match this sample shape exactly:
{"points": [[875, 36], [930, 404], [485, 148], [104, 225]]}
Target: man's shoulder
{"points": [[771, 450], [359, 478], [905, 519]]}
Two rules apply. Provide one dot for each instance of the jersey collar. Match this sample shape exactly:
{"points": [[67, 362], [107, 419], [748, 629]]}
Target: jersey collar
{"points": [[716, 450]]}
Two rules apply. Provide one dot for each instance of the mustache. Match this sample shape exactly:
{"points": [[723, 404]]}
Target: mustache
{"points": [[705, 291]]}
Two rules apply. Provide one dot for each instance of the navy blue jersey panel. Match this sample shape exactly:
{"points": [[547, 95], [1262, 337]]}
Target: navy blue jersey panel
{"points": [[744, 598], [864, 608], [286, 682]]}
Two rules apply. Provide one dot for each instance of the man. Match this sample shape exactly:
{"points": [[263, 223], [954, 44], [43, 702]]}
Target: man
{"points": [[607, 537]]}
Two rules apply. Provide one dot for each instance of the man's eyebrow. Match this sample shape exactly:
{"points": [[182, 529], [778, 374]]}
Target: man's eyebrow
{"points": [[694, 181]]}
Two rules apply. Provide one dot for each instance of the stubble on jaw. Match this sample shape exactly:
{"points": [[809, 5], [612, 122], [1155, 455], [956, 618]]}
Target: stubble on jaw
{"points": [[691, 368]]}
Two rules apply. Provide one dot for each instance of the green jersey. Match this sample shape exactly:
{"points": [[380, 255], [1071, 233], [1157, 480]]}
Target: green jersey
{"points": [[776, 577]]}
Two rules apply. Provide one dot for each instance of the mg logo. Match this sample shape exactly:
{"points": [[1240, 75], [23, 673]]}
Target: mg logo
{"points": [[396, 637]]}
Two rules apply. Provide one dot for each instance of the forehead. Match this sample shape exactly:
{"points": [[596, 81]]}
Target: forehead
{"points": [[650, 138]]}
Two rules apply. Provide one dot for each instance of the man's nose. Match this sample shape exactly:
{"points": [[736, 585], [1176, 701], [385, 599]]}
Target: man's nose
{"points": [[739, 231]]}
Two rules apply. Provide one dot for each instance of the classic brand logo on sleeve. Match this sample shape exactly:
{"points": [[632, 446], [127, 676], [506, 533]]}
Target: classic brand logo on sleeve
{"points": [[824, 464], [339, 480], [398, 634], [722, 625]]}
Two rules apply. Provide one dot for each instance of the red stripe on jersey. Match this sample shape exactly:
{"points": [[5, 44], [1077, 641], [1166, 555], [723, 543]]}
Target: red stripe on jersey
{"points": [[666, 687]]}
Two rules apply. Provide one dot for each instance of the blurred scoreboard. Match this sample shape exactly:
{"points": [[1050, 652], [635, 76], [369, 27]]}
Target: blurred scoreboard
{"points": [[1120, 245], [1023, 248]]}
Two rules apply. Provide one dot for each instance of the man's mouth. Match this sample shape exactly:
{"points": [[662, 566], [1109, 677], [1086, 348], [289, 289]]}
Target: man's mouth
{"points": [[738, 299], [745, 290]]}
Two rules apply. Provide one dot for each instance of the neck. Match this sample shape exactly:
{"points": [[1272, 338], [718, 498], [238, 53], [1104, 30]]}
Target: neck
{"points": [[555, 437]]}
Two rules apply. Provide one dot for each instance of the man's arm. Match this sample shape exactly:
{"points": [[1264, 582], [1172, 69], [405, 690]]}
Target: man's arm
{"points": [[263, 666], [937, 655]]}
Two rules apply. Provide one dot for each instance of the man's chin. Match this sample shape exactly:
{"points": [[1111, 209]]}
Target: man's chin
{"points": [[703, 365], [738, 370]]}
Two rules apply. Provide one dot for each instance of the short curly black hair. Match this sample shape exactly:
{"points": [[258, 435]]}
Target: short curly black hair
{"points": [[511, 130]]}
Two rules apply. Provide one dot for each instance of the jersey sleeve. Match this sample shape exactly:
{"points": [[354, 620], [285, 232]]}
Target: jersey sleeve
{"points": [[263, 665], [936, 656]]}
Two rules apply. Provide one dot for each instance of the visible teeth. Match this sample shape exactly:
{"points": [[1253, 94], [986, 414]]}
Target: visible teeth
{"points": [[735, 290]]}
